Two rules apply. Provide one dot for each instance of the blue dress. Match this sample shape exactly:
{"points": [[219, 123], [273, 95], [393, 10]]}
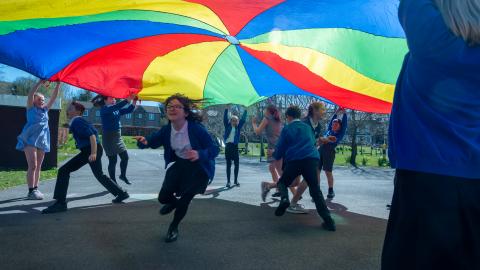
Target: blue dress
{"points": [[36, 132]]}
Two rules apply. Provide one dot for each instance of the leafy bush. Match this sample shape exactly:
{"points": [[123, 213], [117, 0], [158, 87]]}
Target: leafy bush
{"points": [[364, 161], [383, 162]]}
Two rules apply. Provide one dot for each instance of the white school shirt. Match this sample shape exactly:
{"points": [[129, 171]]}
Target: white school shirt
{"points": [[180, 141], [231, 137], [314, 125]]}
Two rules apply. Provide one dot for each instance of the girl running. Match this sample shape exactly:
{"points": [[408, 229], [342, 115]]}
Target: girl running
{"points": [[189, 154], [272, 125]]}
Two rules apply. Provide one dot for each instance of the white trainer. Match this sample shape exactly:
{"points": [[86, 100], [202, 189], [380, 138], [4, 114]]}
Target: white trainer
{"points": [[35, 195], [297, 209]]}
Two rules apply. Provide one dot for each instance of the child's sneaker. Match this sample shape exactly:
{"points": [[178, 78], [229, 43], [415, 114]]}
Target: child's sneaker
{"points": [[35, 195], [296, 209]]}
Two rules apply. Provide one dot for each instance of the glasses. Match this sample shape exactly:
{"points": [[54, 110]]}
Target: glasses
{"points": [[176, 107]]}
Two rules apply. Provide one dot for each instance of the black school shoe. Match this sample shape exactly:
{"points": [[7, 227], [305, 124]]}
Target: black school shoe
{"points": [[57, 207], [124, 179], [282, 207], [167, 209], [172, 235], [329, 224], [331, 194], [121, 197], [276, 194]]}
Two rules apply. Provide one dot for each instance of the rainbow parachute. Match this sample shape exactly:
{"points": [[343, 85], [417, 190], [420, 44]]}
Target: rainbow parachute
{"points": [[348, 52]]}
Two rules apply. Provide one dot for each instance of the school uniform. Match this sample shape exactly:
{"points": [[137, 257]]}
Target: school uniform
{"points": [[82, 130], [112, 137], [316, 127], [327, 151], [297, 148], [232, 138], [184, 178], [434, 145]]}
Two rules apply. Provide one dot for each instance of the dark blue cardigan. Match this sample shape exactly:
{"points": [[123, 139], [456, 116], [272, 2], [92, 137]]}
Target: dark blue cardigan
{"points": [[200, 140], [110, 115]]}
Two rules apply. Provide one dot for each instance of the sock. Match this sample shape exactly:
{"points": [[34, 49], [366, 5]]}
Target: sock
{"points": [[30, 190], [35, 187], [330, 189]]}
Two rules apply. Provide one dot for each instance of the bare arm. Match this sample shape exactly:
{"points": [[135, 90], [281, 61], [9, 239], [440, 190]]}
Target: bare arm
{"points": [[259, 129], [32, 92], [93, 148], [54, 96]]}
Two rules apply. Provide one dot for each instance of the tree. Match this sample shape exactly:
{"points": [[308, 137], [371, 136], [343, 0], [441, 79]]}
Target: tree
{"points": [[22, 85], [84, 95], [356, 122]]}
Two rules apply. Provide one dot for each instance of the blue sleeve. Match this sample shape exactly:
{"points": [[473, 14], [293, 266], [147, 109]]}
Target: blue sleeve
{"points": [[210, 149], [127, 110], [117, 106], [429, 37], [81, 128], [154, 141], [341, 134], [242, 121], [225, 118], [330, 124], [281, 146]]}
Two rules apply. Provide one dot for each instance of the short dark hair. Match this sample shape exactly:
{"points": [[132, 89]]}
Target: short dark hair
{"points": [[99, 100], [339, 121], [294, 112], [78, 106]]}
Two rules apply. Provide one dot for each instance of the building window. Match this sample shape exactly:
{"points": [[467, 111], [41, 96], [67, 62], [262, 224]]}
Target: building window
{"points": [[151, 116], [85, 113], [128, 116], [140, 116], [97, 113]]}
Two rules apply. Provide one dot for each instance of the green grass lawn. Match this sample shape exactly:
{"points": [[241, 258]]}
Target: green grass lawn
{"points": [[12, 178], [367, 156]]}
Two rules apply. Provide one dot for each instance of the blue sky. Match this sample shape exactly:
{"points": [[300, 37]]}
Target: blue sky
{"points": [[9, 74]]}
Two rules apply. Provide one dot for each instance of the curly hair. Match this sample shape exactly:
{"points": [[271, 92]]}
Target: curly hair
{"points": [[190, 106]]}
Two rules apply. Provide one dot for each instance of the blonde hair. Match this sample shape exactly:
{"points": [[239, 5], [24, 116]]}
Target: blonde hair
{"points": [[315, 106], [463, 18]]}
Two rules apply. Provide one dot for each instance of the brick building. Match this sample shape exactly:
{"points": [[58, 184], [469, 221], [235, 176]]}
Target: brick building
{"points": [[142, 121]]}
